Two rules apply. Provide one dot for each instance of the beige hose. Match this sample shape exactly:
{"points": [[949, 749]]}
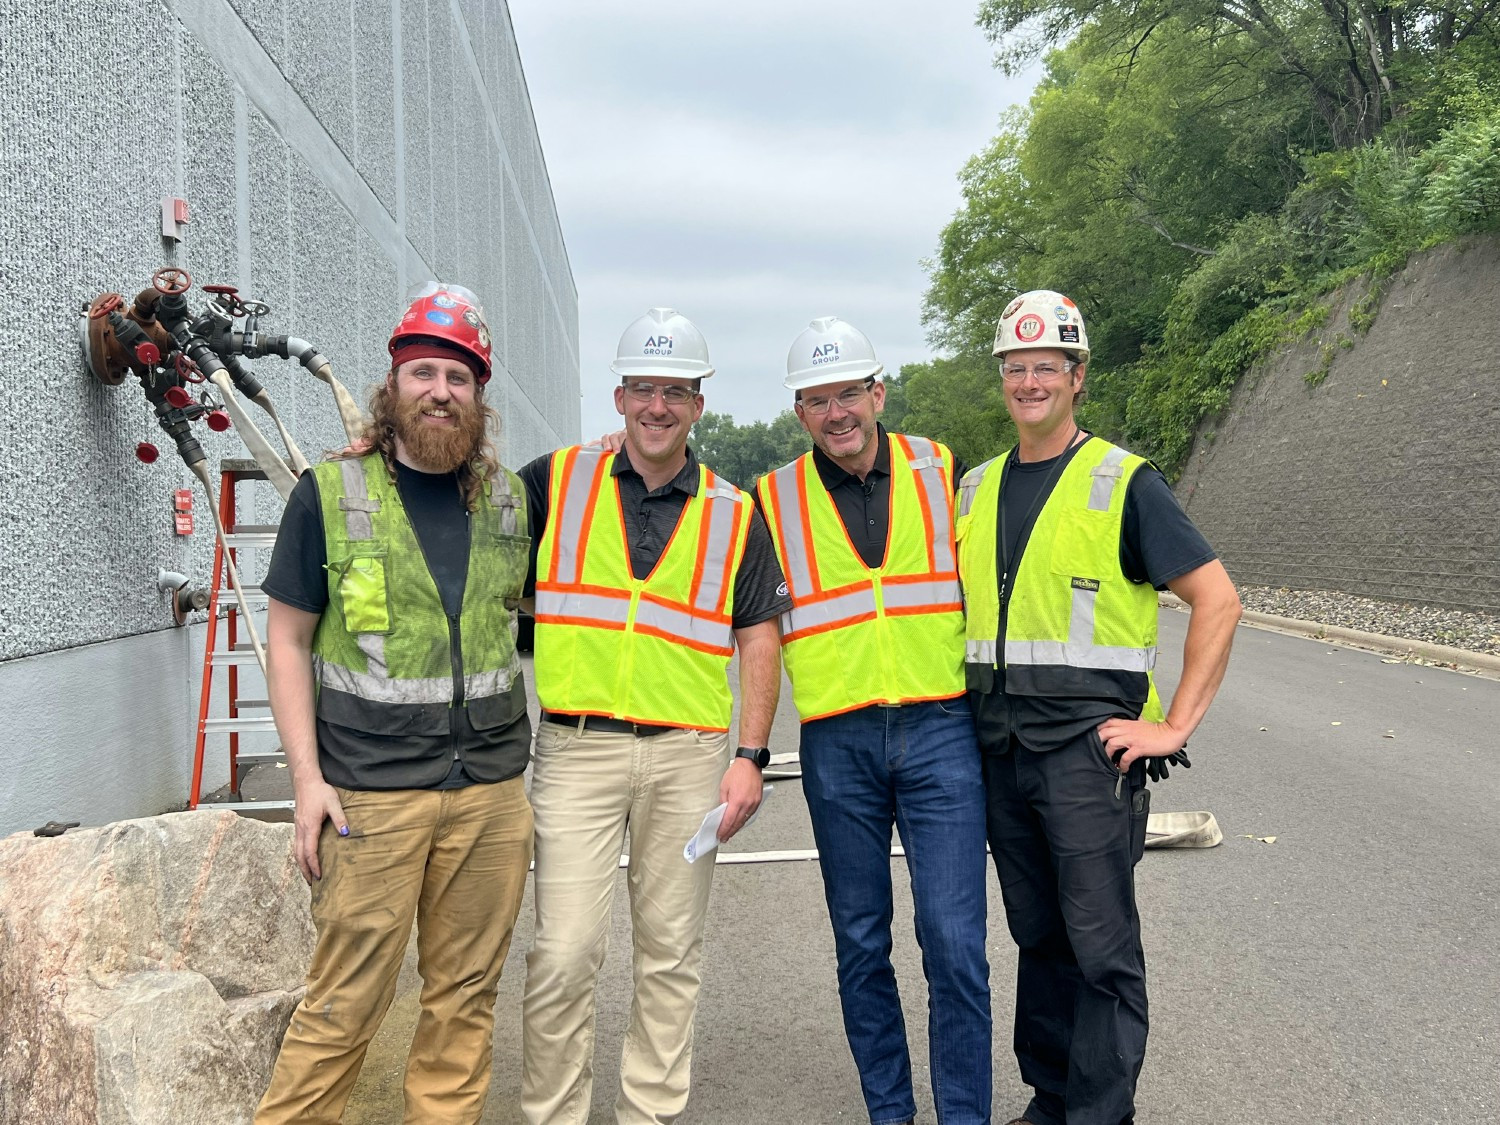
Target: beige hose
{"points": [[299, 462], [282, 478], [353, 417], [234, 572]]}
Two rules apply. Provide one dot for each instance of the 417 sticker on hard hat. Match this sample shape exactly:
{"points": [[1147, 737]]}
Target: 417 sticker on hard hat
{"points": [[1029, 328]]}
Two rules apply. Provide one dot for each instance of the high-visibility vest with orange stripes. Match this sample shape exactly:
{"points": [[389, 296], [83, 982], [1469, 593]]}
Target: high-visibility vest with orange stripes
{"points": [[650, 650], [856, 636]]}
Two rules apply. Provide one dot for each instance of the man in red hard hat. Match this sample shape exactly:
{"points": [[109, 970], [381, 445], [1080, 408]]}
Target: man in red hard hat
{"points": [[397, 693]]}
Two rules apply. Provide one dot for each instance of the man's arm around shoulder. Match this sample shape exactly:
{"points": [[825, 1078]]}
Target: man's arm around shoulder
{"points": [[289, 683], [1215, 610]]}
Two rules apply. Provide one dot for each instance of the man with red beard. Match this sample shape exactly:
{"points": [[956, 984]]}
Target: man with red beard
{"points": [[397, 693]]}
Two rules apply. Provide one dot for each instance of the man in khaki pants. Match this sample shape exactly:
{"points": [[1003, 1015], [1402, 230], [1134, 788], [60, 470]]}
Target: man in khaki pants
{"points": [[397, 693], [650, 571]]}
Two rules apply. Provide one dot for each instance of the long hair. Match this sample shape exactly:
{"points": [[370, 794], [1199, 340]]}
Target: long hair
{"points": [[380, 436]]}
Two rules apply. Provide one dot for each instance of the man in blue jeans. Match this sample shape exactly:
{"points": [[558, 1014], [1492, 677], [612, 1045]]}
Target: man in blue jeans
{"points": [[874, 647]]}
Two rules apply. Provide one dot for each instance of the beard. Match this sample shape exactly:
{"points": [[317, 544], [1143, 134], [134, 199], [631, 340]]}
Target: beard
{"points": [[440, 449]]}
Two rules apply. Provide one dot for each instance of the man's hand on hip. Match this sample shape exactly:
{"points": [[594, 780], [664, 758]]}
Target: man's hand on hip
{"points": [[740, 790], [1139, 739], [317, 801]]}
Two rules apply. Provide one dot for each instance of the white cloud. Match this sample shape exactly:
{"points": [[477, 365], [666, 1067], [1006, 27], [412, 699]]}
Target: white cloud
{"points": [[754, 166]]}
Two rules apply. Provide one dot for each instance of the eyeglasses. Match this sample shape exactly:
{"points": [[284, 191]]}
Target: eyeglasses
{"points": [[1015, 372], [848, 399], [673, 394]]}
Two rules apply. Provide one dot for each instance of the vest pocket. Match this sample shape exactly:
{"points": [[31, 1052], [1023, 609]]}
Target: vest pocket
{"points": [[1085, 545], [513, 557], [362, 594]]}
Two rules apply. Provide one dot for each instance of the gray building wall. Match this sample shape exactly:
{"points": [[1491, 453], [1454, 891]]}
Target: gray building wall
{"points": [[333, 155], [1384, 479]]}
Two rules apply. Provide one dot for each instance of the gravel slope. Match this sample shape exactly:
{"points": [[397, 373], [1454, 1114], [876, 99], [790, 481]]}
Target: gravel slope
{"points": [[1475, 632]]}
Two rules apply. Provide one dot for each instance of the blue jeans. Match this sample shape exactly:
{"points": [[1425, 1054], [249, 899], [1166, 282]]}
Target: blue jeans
{"points": [[917, 766]]}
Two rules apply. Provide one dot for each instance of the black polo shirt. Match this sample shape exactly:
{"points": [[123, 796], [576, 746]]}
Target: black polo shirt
{"points": [[651, 516], [865, 505]]}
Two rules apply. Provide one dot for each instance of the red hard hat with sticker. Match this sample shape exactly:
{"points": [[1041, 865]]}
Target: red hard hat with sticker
{"points": [[447, 315]]}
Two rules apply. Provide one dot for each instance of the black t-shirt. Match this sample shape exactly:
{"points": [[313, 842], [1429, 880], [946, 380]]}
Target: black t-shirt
{"points": [[439, 516], [865, 505], [650, 518], [1158, 542]]}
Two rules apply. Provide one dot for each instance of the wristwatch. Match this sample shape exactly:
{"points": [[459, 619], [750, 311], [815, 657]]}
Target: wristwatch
{"points": [[760, 755]]}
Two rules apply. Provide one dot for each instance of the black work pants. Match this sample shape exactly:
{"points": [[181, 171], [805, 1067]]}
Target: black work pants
{"points": [[1065, 847]]}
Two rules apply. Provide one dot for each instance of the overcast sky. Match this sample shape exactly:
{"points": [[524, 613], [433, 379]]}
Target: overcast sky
{"points": [[754, 166]]}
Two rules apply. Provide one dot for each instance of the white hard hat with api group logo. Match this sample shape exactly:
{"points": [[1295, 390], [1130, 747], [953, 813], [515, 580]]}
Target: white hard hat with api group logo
{"points": [[1042, 318], [829, 350], [663, 343]]}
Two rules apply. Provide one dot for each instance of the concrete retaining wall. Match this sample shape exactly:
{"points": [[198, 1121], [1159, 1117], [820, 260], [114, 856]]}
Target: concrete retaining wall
{"points": [[1383, 479], [332, 155]]}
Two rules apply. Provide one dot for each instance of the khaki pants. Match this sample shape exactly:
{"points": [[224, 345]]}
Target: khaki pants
{"points": [[455, 860], [586, 787]]}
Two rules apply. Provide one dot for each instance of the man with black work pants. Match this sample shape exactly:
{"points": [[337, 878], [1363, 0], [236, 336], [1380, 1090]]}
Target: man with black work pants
{"points": [[649, 572], [874, 646], [1063, 543]]}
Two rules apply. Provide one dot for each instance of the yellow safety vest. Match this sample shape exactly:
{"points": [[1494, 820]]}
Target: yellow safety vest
{"points": [[650, 650], [1075, 627], [856, 636]]}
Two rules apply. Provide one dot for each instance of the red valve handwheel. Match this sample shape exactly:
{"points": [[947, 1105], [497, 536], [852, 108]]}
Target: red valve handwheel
{"points": [[170, 280], [105, 304], [189, 371], [234, 306]]}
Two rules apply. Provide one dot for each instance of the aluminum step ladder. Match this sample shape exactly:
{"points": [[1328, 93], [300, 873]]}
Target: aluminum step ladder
{"points": [[244, 715]]}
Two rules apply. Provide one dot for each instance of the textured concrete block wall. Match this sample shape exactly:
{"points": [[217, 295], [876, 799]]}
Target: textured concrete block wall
{"points": [[1384, 479], [333, 155]]}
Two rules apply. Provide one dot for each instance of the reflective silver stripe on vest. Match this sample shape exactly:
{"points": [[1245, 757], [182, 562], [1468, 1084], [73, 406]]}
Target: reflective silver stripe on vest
{"points": [[968, 487], [907, 595], [927, 467], [567, 541], [356, 503], [614, 608], [1072, 655], [720, 516], [437, 689], [793, 543], [504, 502], [829, 611], [676, 623], [1106, 475], [979, 652]]}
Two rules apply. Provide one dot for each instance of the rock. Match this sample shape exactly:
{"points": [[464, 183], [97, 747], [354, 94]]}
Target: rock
{"points": [[149, 969]]}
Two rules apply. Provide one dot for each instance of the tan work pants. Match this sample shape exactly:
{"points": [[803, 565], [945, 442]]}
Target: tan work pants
{"points": [[455, 860], [586, 787]]}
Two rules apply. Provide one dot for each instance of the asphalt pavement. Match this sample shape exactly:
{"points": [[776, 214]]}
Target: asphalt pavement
{"points": [[1333, 961]]}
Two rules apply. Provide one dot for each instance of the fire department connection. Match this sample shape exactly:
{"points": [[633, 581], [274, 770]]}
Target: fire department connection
{"points": [[192, 367]]}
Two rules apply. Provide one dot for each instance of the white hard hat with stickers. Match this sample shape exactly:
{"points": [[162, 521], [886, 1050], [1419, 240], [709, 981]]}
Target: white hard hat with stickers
{"points": [[1042, 318], [830, 350], [663, 343]]}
